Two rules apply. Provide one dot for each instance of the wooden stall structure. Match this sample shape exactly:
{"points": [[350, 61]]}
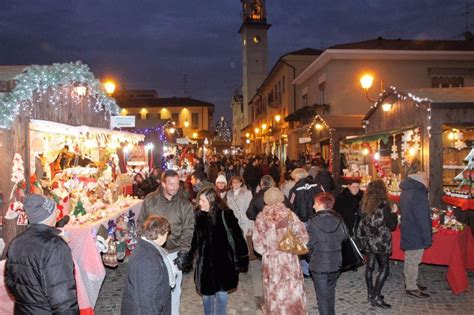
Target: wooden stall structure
{"points": [[61, 93], [328, 131], [428, 114]]}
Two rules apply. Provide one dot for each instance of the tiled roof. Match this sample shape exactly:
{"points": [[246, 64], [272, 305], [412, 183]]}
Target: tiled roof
{"points": [[404, 44], [162, 102]]}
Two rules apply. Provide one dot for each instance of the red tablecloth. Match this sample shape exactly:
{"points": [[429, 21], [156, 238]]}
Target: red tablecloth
{"points": [[394, 198], [463, 204], [454, 250]]}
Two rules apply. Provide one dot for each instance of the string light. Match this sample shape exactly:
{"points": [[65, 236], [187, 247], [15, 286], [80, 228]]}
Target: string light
{"points": [[60, 79]]}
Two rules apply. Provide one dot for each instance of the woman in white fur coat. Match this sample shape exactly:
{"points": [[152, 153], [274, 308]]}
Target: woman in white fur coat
{"points": [[238, 199]]}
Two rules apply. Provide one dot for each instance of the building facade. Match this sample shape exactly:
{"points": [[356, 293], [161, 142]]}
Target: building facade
{"points": [[275, 98], [330, 85], [193, 117], [237, 105]]}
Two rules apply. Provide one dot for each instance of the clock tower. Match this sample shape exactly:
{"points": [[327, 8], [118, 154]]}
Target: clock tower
{"points": [[254, 50]]}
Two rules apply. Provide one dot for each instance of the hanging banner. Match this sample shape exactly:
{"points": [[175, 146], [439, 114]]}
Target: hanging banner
{"points": [[122, 121]]}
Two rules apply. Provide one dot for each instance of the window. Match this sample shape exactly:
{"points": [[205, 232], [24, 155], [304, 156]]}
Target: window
{"points": [[195, 120], [322, 96], [175, 117], [444, 82]]}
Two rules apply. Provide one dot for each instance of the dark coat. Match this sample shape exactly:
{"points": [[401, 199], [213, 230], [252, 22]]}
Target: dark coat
{"points": [[146, 284], [40, 272], [275, 173], [348, 206], [324, 178], [374, 231], [415, 215], [216, 264], [257, 203], [326, 233], [144, 188], [252, 176], [302, 197]]}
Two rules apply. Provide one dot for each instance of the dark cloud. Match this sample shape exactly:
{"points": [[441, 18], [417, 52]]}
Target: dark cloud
{"points": [[154, 43]]}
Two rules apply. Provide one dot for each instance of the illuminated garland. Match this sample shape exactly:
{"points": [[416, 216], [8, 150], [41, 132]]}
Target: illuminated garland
{"points": [[59, 78]]}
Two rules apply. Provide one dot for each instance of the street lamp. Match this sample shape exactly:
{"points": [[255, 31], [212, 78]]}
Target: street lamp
{"points": [[257, 130], [277, 118], [186, 123], [109, 87], [366, 82], [247, 135], [264, 126]]}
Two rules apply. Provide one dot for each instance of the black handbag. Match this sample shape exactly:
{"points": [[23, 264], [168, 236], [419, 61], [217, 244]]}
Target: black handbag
{"points": [[352, 257]]}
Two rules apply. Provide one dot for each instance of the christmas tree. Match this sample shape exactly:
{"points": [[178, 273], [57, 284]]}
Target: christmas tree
{"points": [[223, 132], [466, 176]]}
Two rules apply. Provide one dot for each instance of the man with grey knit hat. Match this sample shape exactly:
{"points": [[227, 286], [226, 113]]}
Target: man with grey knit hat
{"points": [[39, 267]]}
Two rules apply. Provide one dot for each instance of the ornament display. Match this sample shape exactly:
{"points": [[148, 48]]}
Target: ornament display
{"points": [[394, 154], [222, 130]]}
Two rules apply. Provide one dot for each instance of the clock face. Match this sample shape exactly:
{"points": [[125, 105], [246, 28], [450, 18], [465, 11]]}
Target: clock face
{"points": [[256, 39]]}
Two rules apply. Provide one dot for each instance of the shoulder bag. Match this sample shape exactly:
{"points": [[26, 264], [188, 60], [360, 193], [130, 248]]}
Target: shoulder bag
{"points": [[290, 243], [352, 257]]}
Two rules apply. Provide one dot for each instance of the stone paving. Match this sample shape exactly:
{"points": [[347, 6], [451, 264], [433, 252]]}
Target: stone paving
{"points": [[351, 296]]}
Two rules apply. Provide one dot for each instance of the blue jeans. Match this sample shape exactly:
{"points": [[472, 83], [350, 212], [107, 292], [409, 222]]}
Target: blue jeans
{"points": [[325, 285], [215, 304]]}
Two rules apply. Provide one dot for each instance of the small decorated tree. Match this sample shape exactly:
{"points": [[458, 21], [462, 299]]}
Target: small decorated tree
{"points": [[467, 175], [223, 132]]}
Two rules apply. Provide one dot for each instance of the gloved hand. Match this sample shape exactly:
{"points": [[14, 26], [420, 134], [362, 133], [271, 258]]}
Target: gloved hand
{"points": [[184, 262], [242, 265]]}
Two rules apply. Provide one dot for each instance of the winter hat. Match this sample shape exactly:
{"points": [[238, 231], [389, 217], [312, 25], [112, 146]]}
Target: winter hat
{"points": [[221, 179], [273, 196], [39, 208]]}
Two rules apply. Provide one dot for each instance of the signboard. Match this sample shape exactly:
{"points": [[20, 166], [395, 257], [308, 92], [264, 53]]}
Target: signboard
{"points": [[182, 141], [122, 121], [304, 140]]}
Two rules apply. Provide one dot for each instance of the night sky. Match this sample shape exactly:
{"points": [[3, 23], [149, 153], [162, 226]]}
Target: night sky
{"points": [[153, 44]]}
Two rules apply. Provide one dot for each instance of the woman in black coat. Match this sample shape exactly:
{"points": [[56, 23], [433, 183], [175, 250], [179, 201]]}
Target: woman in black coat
{"points": [[375, 237], [150, 275], [221, 252]]}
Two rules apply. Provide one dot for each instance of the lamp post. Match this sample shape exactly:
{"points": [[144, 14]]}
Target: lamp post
{"points": [[109, 86], [366, 82]]}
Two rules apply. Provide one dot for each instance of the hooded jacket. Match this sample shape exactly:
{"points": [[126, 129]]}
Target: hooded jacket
{"points": [[40, 272], [302, 197], [326, 233], [415, 215], [178, 211]]}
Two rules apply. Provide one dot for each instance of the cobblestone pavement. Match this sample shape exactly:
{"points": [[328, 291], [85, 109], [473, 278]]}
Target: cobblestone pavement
{"points": [[351, 296]]}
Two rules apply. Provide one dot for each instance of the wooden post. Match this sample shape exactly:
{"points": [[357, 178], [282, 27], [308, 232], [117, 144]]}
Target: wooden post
{"points": [[27, 155]]}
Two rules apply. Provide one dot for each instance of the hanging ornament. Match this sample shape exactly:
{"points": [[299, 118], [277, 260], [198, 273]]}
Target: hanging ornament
{"points": [[394, 155]]}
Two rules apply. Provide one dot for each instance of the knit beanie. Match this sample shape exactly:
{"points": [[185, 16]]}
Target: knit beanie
{"points": [[273, 196], [221, 179], [39, 208]]}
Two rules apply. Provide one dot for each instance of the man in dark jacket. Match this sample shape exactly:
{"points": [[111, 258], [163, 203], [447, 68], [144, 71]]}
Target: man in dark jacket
{"points": [[303, 193], [252, 175], [326, 234], [150, 275], [256, 204], [348, 204], [325, 179], [416, 234], [39, 267], [275, 172], [169, 203]]}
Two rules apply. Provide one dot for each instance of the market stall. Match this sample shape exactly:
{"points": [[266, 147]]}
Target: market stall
{"points": [[407, 131], [56, 142]]}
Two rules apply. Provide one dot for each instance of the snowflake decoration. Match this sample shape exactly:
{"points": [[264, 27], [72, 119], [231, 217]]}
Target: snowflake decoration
{"points": [[394, 155], [459, 144]]}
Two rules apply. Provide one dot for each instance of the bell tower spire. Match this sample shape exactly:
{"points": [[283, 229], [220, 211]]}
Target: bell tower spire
{"points": [[254, 31]]}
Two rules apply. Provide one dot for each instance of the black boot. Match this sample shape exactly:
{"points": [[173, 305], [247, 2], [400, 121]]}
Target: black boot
{"points": [[368, 276], [379, 302]]}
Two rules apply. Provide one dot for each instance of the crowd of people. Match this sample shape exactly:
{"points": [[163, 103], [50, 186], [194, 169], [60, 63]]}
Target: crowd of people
{"points": [[216, 220]]}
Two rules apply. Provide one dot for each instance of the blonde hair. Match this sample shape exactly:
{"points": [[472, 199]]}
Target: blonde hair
{"points": [[299, 173]]}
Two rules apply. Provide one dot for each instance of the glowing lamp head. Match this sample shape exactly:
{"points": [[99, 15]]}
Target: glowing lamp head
{"points": [[109, 87], [412, 151], [366, 81], [386, 107], [247, 135], [318, 126], [186, 124], [365, 151], [172, 130], [247, 141], [277, 118], [195, 135], [264, 126], [149, 146], [257, 130]]}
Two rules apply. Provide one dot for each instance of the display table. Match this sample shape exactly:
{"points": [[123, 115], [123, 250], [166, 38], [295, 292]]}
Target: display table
{"points": [[394, 198], [453, 250], [88, 267], [463, 204]]}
